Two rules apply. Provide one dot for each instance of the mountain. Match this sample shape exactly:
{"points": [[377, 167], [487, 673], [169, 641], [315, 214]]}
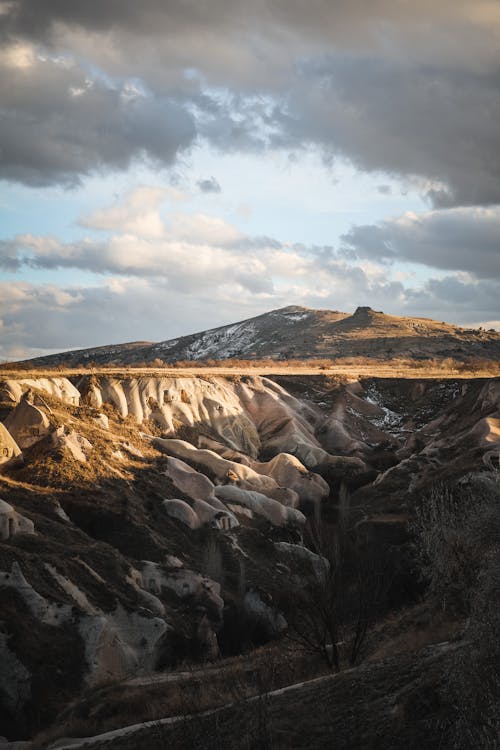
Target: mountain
{"points": [[301, 333]]}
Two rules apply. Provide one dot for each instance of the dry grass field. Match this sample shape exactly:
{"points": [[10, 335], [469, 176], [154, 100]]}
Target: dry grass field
{"points": [[408, 369]]}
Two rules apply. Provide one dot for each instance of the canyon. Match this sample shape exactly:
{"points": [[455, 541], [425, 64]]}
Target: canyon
{"points": [[152, 521]]}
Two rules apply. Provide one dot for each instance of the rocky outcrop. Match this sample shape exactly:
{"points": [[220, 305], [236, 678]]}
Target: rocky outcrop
{"points": [[71, 441], [183, 512], [171, 402], [13, 523], [61, 388], [27, 424], [10, 453], [201, 513], [260, 505], [189, 481], [219, 468], [288, 472]]}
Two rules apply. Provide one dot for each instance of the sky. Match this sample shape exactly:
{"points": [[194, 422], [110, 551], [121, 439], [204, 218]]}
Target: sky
{"points": [[174, 165]]}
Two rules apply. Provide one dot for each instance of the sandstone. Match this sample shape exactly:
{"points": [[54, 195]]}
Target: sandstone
{"points": [[10, 453], [13, 523], [189, 481], [261, 505], [27, 424], [183, 512]]}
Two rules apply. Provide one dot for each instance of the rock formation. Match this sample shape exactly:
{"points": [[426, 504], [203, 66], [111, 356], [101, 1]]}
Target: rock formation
{"points": [[27, 423], [13, 523], [10, 453]]}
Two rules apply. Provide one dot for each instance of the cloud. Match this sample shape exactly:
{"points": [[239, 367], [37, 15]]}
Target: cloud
{"points": [[434, 125], [58, 124], [462, 239], [137, 214], [411, 90], [209, 185]]}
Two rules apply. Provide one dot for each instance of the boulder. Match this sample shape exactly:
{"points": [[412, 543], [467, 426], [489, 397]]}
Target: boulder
{"points": [[264, 614], [217, 518], [102, 421], [318, 564]]}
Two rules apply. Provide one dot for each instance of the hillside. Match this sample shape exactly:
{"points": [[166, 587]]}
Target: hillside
{"points": [[300, 333]]}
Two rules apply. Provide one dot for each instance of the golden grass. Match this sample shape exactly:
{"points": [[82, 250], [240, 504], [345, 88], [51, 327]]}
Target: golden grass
{"points": [[357, 367]]}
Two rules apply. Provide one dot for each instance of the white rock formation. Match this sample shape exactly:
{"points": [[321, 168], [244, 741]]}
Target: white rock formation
{"points": [[288, 471], [185, 584], [61, 388], [181, 511], [222, 469], [216, 517], [10, 452], [50, 613], [120, 643], [260, 505], [72, 441], [201, 513], [173, 401], [190, 482], [12, 522], [117, 643], [102, 421], [27, 424], [284, 424]]}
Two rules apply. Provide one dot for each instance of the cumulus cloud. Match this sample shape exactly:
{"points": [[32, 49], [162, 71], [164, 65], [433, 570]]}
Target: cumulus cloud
{"points": [[137, 214], [464, 239]]}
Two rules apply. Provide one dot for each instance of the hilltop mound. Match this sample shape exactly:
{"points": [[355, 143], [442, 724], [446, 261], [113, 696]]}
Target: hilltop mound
{"points": [[300, 333]]}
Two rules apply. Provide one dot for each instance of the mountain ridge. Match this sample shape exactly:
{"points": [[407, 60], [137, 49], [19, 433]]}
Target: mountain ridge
{"points": [[296, 332]]}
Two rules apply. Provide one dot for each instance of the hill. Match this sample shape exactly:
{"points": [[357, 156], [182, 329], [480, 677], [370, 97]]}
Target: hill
{"points": [[301, 333]]}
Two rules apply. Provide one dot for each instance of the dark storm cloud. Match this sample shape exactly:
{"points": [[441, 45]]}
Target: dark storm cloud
{"points": [[410, 89], [56, 124], [421, 121], [462, 239]]}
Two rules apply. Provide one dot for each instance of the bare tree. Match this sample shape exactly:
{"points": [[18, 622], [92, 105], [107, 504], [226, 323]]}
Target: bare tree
{"points": [[458, 529], [337, 601]]}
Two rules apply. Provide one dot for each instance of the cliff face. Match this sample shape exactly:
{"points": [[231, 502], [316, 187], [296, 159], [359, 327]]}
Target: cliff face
{"points": [[148, 510]]}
